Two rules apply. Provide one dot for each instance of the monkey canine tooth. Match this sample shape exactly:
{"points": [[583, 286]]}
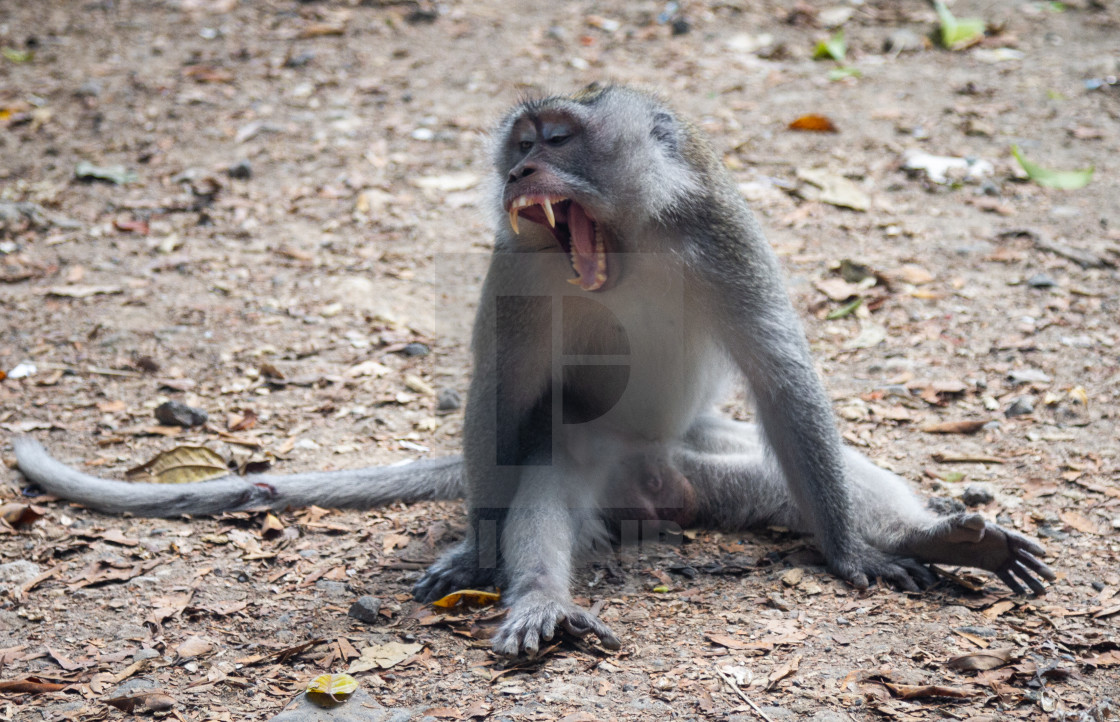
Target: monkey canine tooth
{"points": [[547, 205], [513, 219]]}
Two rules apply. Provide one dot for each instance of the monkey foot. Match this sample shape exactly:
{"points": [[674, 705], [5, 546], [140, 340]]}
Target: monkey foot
{"points": [[967, 540], [456, 569], [867, 564], [536, 617]]}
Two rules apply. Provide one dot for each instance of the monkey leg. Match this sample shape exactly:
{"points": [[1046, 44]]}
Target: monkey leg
{"points": [[738, 487], [543, 531]]}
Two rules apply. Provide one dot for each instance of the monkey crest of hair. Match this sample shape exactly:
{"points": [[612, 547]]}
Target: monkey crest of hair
{"points": [[629, 285]]}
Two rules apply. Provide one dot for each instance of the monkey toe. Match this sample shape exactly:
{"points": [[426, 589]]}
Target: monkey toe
{"points": [[457, 569], [535, 619]]}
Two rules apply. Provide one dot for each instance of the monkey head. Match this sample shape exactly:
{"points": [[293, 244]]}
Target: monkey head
{"points": [[590, 177]]}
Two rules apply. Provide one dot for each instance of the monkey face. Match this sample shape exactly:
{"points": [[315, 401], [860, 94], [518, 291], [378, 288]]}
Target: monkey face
{"points": [[546, 183]]}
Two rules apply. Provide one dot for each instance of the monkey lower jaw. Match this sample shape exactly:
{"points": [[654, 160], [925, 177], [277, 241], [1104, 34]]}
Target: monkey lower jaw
{"points": [[575, 231]]}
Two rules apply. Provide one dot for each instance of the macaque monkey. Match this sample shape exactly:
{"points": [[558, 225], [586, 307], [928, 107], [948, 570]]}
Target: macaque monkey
{"points": [[629, 284]]}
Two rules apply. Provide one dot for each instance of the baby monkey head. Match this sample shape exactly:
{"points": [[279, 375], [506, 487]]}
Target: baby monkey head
{"points": [[595, 171]]}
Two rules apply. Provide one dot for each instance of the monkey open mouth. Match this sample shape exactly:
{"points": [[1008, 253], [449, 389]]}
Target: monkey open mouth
{"points": [[575, 231]]}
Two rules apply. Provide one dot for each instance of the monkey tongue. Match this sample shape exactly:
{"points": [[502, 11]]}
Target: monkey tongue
{"points": [[589, 259]]}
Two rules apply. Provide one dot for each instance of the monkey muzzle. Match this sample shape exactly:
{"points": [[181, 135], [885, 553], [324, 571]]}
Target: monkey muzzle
{"points": [[575, 232]]}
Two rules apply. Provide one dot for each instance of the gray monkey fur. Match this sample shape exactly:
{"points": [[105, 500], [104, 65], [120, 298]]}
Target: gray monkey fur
{"points": [[690, 293]]}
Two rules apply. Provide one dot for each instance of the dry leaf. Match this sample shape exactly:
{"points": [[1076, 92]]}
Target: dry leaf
{"points": [[981, 661], [783, 671], [271, 526], [383, 656], [919, 691], [320, 30], [18, 514], [998, 608], [143, 702], [469, 597], [1080, 522], [29, 685], [182, 465], [955, 427], [814, 123], [333, 686], [193, 647]]}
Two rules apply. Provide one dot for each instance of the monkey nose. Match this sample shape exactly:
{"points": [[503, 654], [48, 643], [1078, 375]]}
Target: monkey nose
{"points": [[522, 170]]}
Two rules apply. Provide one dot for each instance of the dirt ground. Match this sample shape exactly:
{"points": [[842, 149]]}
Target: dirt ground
{"points": [[303, 197]]}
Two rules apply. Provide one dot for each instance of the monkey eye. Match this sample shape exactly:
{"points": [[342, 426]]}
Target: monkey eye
{"points": [[559, 138], [525, 146]]}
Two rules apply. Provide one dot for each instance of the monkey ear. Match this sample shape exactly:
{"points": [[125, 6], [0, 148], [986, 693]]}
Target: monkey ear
{"points": [[666, 131]]}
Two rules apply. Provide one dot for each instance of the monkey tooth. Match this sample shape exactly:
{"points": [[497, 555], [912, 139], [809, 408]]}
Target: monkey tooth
{"points": [[547, 205], [513, 219]]}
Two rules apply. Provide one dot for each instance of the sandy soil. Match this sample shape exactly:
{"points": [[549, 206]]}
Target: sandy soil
{"points": [[353, 224]]}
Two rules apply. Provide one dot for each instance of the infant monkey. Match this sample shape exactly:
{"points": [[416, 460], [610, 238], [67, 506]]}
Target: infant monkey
{"points": [[629, 283]]}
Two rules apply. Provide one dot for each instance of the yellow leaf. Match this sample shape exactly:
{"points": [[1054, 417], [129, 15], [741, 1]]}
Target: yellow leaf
{"points": [[182, 465], [332, 685], [468, 596]]}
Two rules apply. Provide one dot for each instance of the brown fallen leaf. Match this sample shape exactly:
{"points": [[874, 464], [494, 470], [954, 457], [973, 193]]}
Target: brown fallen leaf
{"points": [[1080, 522], [30, 685], [1111, 658], [813, 123], [998, 608], [18, 514], [728, 641], [153, 701], [280, 655], [271, 527], [919, 691], [981, 661], [193, 647], [320, 30], [783, 671], [207, 74], [970, 426]]}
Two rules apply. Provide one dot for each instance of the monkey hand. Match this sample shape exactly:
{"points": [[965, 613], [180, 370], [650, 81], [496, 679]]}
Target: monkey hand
{"points": [[966, 540], [456, 569], [535, 617]]}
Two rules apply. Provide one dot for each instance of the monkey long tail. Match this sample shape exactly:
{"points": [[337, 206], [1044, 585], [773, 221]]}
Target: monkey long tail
{"points": [[355, 488]]}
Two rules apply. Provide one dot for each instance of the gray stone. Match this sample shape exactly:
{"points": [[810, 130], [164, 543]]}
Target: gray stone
{"points": [[358, 707], [365, 609], [176, 413], [1028, 376], [1041, 280], [17, 573], [977, 494], [448, 400]]}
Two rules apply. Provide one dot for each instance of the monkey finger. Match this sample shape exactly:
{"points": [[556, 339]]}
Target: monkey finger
{"points": [[581, 623], [1020, 571], [1010, 581], [1021, 542], [919, 572], [898, 577], [1038, 566]]}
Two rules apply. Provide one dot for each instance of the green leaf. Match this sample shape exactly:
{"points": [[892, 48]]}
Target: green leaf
{"points": [[834, 48], [846, 310], [1067, 180], [18, 56], [953, 476], [842, 72], [957, 34]]}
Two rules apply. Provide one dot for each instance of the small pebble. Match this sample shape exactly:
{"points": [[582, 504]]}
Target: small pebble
{"points": [[175, 413], [1019, 407], [415, 349], [241, 170], [1041, 280], [448, 400]]}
